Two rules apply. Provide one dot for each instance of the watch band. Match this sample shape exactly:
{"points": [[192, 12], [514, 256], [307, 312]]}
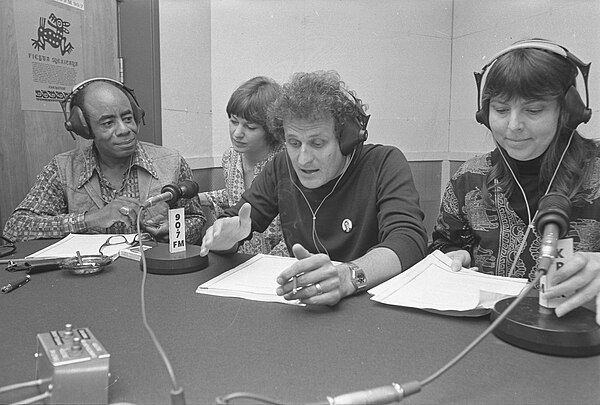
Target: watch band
{"points": [[358, 277]]}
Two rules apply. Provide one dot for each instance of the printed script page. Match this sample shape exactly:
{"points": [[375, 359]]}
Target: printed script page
{"points": [[431, 285], [255, 279], [85, 244]]}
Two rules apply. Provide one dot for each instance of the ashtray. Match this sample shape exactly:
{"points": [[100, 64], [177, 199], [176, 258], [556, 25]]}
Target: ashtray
{"points": [[86, 264]]}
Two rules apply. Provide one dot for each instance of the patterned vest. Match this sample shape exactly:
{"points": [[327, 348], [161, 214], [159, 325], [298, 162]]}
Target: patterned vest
{"points": [[166, 163]]}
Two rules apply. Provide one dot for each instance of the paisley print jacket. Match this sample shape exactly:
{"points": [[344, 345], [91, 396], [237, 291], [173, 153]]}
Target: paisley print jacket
{"points": [[493, 234]]}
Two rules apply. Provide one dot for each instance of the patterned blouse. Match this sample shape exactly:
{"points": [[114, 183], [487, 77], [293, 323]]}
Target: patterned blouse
{"points": [[493, 234], [270, 241]]}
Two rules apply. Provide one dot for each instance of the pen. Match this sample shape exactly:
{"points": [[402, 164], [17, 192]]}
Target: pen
{"points": [[13, 286], [31, 259]]}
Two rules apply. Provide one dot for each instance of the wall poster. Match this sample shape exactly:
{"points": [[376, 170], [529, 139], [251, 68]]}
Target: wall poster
{"points": [[49, 47]]}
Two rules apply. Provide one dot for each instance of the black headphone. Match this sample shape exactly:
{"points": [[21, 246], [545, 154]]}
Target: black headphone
{"points": [[578, 111], [75, 121], [354, 131]]}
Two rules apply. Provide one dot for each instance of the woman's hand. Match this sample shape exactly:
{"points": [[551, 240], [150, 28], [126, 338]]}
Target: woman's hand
{"points": [[579, 280], [460, 259]]}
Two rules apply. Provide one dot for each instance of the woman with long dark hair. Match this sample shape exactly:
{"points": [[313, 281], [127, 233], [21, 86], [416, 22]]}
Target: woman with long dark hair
{"points": [[490, 206]]}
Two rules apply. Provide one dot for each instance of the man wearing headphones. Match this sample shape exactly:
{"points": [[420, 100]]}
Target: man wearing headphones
{"points": [[338, 200], [531, 106], [98, 188]]}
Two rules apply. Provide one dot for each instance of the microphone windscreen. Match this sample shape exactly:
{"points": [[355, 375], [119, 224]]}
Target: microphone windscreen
{"points": [[189, 188], [555, 201], [555, 208]]}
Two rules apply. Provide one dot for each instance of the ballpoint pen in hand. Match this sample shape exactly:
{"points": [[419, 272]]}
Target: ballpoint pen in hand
{"points": [[13, 286]]}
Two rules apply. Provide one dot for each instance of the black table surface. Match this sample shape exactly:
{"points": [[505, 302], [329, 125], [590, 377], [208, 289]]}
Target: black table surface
{"points": [[220, 345]]}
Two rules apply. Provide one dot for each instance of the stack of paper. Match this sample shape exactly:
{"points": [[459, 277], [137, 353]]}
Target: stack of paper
{"points": [[86, 244], [255, 279], [431, 285]]}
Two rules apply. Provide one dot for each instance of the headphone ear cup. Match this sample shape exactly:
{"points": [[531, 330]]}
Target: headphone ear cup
{"points": [[483, 116], [352, 134], [138, 112], [77, 123], [578, 112]]}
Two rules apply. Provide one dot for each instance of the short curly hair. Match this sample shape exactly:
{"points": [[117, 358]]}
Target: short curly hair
{"points": [[314, 95]]}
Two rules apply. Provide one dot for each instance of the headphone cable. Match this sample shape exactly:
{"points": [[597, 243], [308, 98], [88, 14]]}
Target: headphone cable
{"points": [[314, 234], [530, 219]]}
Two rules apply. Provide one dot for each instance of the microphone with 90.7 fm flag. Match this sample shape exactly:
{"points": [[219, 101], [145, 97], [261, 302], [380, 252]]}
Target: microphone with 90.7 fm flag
{"points": [[171, 193], [533, 325], [160, 259]]}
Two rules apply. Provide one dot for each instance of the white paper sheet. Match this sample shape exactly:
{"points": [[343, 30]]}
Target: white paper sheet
{"points": [[255, 279], [86, 244], [431, 285]]}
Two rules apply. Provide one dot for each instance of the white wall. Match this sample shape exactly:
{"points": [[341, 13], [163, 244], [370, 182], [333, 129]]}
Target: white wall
{"points": [[394, 54], [412, 62], [185, 51], [483, 28]]}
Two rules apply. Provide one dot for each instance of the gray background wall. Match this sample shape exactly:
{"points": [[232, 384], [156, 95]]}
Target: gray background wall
{"points": [[412, 61]]}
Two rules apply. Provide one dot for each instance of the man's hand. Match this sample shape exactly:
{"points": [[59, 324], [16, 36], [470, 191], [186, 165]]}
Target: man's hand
{"points": [[314, 279], [155, 221], [225, 233], [122, 209]]}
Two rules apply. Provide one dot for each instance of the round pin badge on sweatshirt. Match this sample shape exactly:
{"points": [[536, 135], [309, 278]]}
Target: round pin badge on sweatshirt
{"points": [[346, 225]]}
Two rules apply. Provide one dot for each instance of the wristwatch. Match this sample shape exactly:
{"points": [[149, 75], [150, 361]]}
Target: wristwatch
{"points": [[358, 277]]}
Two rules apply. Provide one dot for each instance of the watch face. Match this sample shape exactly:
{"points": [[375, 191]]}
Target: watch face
{"points": [[360, 278]]}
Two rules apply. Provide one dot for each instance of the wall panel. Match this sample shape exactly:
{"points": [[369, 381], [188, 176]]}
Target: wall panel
{"points": [[29, 139]]}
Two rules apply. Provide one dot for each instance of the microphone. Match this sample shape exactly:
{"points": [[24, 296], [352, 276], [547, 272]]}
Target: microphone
{"points": [[533, 325], [552, 223], [171, 193]]}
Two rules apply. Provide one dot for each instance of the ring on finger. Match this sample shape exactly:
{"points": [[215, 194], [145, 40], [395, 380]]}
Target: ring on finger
{"points": [[319, 289], [125, 211]]}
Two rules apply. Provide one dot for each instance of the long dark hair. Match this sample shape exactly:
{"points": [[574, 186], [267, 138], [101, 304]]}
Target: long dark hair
{"points": [[529, 74]]}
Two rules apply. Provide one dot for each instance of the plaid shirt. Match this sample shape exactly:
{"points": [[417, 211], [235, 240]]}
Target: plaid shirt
{"points": [[44, 212]]}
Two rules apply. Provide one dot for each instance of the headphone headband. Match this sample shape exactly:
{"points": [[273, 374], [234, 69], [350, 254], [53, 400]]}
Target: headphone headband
{"points": [[74, 119], [528, 44], [580, 113]]}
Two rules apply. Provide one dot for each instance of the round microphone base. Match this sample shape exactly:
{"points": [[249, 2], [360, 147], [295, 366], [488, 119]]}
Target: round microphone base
{"points": [[536, 328], [160, 261]]}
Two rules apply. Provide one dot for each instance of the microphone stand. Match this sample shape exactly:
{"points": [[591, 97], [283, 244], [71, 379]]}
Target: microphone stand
{"points": [[536, 327], [160, 260]]}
